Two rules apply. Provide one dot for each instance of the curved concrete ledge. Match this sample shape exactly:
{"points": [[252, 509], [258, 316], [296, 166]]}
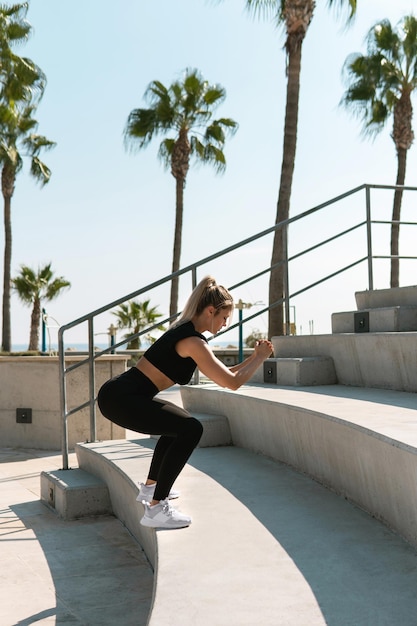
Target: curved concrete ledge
{"points": [[361, 443], [224, 565], [121, 465]]}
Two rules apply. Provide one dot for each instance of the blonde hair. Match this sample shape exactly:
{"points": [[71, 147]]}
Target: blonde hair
{"points": [[207, 293]]}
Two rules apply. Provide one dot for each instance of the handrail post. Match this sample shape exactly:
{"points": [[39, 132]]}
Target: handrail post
{"points": [[286, 279], [369, 237], [194, 278], [196, 377], [91, 367], [63, 401]]}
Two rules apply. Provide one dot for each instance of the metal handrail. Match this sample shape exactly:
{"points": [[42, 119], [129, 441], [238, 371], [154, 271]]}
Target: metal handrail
{"points": [[284, 226]]}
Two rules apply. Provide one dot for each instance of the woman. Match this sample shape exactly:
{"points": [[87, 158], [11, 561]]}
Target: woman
{"points": [[129, 399]]}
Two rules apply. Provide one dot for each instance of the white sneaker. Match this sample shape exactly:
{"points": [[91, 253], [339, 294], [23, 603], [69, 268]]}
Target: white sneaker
{"points": [[146, 493], [163, 515]]}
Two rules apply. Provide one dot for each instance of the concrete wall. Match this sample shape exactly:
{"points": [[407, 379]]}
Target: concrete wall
{"points": [[31, 382]]}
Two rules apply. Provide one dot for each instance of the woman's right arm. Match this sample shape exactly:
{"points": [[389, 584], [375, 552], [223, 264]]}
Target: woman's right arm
{"points": [[213, 368]]}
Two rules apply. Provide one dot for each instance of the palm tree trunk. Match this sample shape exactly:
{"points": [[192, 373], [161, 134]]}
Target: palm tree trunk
{"points": [[396, 214], [179, 210], [276, 281], [6, 327], [34, 325]]}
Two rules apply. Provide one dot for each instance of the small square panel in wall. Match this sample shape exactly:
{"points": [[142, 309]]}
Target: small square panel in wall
{"points": [[270, 371], [23, 416], [361, 322]]}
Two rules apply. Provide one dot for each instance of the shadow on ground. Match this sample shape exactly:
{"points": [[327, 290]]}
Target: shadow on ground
{"points": [[360, 572]]}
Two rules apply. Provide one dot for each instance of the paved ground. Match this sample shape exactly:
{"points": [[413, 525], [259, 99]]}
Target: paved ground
{"points": [[92, 573], [85, 572]]}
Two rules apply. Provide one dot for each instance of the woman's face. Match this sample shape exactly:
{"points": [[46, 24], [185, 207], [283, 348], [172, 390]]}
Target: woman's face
{"points": [[221, 319]]}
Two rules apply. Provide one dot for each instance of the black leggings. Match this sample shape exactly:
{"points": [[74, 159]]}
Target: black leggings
{"points": [[129, 401]]}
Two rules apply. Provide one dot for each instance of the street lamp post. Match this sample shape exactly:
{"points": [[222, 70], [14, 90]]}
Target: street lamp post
{"points": [[112, 334], [43, 330], [240, 306]]}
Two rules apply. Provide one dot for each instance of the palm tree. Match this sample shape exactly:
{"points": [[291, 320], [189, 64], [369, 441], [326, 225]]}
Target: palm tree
{"points": [[21, 79], [34, 286], [17, 140], [381, 84], [296, 16], [22, 85], [13, 26], [136, 316], [184, 110]]}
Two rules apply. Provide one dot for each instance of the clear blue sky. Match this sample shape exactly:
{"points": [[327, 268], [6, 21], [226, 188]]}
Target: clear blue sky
{"points": [[106, 218]]}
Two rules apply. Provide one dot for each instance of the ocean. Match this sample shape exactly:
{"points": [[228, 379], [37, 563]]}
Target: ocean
{"points": [[83, 347]]}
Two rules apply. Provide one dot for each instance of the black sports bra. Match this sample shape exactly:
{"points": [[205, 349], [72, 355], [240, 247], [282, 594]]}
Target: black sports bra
{"points": [[163, 355]]}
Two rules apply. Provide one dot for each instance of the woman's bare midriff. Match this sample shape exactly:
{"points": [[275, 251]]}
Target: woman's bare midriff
{"points": [[154, 374]]}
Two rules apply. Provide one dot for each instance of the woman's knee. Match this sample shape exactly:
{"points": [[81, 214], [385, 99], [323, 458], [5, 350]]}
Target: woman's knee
{"points": [[194, 428]]}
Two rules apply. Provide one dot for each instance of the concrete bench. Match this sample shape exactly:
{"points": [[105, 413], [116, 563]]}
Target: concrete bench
{"points": [[359, 442]]}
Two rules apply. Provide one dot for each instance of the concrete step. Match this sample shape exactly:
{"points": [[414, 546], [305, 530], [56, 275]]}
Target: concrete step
{"points": [[381, 360], [297, 371], [216, 430], [75, 493], [381, 298], [388, 319]]}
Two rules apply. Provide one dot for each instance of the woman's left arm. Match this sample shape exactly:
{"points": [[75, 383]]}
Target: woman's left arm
{"points": [[236, 368]]}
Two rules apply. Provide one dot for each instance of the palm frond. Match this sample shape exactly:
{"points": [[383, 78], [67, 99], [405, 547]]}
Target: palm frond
{"points": [[197, 148], [215, 156], [215, 132], [141, 125], [40, 172], [230, 124], [34, 144], [345, 5], [265, 8], [214, 95], [165, 151], [53, 289]]}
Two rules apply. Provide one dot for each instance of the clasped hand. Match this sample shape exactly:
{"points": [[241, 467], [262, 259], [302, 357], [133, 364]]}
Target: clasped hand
{"points": [[264, 348]]}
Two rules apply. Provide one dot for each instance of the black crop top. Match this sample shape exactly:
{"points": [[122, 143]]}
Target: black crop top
{"points": [[163, 355]]}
